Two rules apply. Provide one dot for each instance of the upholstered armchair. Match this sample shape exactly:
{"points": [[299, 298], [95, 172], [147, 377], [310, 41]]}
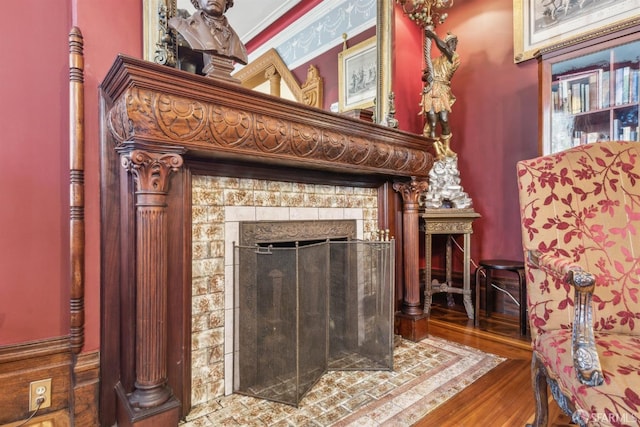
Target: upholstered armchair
{"points": [[580, 213]]}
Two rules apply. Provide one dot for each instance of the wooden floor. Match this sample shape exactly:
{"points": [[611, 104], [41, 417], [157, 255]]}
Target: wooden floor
{"points": [[504, 396]]}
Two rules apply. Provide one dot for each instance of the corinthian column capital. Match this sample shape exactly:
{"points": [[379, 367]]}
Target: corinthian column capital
{"points": [[151, 170], [410, 191]]}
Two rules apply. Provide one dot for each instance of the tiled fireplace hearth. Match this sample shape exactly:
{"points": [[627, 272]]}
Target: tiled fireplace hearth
{"points": [[183, 160], [220, 204]]}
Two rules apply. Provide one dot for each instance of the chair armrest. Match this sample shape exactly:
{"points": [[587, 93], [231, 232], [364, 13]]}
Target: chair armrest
{"points": [[585, 355]]}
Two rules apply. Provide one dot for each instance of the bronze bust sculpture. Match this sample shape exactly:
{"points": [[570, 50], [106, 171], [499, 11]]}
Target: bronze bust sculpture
{"points": [[208, 31]]}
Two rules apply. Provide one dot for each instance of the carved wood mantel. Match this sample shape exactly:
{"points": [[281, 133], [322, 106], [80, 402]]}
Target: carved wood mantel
{"points": [[161, 125], [225, 120]]}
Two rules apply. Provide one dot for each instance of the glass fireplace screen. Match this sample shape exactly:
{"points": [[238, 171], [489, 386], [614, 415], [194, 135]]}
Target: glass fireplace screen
{"points": [[305, 308]]}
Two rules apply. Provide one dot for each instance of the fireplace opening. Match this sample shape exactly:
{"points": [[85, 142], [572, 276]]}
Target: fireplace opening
{"points": [[308, 306]]}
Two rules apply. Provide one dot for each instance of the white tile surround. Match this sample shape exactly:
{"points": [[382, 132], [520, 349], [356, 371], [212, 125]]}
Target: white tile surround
{"points": [[219, 204]]}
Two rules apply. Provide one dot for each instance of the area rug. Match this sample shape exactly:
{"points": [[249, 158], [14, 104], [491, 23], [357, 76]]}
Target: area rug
{"points": [[425, 375]]}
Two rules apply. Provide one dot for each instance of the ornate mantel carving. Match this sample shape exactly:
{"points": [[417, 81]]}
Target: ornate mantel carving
{"points": [[198, 114]]}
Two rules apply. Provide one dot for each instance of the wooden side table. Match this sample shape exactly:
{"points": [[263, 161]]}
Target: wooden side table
{"points": [[450, 222]]}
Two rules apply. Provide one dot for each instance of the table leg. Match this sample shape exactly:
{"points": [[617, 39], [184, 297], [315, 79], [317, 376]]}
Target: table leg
{"points": [[477, 307], [449, 268], [466, 284], [427, 273]]}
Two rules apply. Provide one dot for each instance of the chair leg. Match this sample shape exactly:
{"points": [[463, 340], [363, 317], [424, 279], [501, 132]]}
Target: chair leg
{"points": [[523, 302], [539, 382]]}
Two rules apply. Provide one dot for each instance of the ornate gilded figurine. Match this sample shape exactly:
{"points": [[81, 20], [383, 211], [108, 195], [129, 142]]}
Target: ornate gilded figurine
{"points": [[209, 32], [445, 189], [437, 98]]}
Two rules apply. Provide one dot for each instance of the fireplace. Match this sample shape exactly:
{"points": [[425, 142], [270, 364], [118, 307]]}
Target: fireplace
{"points": [[309, 298], [164, 254]]}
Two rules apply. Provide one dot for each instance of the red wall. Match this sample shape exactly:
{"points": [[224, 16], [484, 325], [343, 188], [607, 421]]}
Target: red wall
{"points": [[494, 121], [407, 72], [327, 65], [109, 28], [34, 183], [34, 180], [494, 124]]}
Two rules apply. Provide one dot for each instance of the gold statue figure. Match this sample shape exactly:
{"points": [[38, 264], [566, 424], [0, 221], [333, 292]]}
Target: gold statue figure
{"points": [[209, 32], [437, 98]]}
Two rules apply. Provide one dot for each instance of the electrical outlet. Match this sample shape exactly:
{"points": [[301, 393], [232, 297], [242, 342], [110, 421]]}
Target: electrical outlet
{"points": [[39, 389]]}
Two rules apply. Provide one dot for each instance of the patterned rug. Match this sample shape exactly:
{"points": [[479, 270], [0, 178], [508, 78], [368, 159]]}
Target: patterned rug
{"points": [[425, 375]]}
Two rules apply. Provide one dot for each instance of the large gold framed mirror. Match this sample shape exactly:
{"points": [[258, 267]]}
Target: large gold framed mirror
{"points": [[160, 44]]}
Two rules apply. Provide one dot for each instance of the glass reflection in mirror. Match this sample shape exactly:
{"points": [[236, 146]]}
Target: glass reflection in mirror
{"points": [[161, 46]]}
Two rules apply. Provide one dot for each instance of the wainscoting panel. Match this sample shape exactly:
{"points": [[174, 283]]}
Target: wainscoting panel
{"points": [[23, 363], [86, 379]]}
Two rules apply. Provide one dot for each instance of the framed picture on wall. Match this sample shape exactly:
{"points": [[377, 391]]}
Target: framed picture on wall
{"points": [[358, 76], [542, 26]]}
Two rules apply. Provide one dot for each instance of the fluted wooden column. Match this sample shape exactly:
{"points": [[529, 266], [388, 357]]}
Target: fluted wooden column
{"points": [[151, 172], [413, 324]]}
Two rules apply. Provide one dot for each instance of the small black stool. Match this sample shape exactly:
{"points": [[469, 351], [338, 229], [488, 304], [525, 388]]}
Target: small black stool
{"points": [[488, 266]]}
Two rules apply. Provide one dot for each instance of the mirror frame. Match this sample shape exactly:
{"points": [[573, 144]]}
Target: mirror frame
{"points": [[159, 44], [384, 40]]}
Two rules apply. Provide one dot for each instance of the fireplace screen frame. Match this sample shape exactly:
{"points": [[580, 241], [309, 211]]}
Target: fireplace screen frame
{"points": [[306, 307]]}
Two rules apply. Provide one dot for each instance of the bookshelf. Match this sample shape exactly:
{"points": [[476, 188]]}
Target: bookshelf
{"points": [[590, 94]]}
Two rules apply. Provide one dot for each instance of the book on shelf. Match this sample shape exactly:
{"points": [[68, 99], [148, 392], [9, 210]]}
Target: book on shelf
{"points": [[576, 98], [605, 91], [593, 137], [580, 92], [584, 97], [634, 89], [626, 74], [592, 93], [581, 137], [626, 85], [616, 129], [564, 96], [629, 133], [618, 86]]}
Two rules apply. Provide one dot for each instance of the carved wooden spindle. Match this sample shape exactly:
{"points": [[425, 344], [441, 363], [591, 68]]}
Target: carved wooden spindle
{"points": [[76, 190], [151, 172], [410, 192]]}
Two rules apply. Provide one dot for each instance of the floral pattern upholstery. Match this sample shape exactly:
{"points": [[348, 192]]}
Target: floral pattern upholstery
{"points": [[617, 400], [580, 211]]}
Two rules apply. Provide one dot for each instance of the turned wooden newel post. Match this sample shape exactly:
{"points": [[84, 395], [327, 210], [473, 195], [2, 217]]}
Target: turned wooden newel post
{"points": [[151, 172], [411, 307], [76, 189]]}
